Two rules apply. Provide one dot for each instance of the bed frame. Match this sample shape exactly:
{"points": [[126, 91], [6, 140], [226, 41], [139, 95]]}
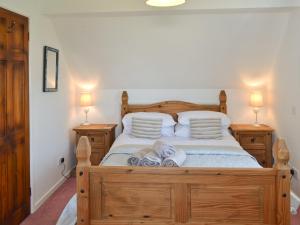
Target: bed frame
{"points": [[198, 196]]}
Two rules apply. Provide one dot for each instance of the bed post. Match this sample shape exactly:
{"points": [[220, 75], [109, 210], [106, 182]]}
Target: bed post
{"points": [[281, 157], [124, 103], [223, 102], [83, 153]]}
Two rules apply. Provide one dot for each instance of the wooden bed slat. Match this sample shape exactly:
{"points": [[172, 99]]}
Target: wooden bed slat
{"points": [[172, 107]]}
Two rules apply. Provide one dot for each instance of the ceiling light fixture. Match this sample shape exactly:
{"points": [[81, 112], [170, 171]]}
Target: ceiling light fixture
{"points": [[165, 3]]}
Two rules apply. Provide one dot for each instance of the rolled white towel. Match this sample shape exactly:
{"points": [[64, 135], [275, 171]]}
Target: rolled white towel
{"points": [[163, 150], [151, 160], [135, 158], [175, 160]]}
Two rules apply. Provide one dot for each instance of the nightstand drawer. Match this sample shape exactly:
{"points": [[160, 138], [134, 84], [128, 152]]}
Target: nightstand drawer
{"points": [[98, 150], [257, 140], [260, 156], [96, 139], [97, 155], [101, 137], [252, 141], [96, 158]]}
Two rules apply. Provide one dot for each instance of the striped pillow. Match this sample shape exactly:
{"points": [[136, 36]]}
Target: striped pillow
{"points": [[146, 127], [206, 128]]}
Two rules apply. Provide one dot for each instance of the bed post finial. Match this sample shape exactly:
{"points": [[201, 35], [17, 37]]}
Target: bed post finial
{"points": [[124, 103], [283, 186], [223, 102], [83, 154], [281, 155]]}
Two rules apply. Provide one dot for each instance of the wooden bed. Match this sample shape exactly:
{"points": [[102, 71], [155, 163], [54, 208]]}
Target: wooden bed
{"points": [[165, 196]]}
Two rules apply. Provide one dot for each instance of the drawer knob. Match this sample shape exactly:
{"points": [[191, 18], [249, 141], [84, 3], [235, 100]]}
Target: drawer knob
{"points": [[92, 139], [252, 140]]}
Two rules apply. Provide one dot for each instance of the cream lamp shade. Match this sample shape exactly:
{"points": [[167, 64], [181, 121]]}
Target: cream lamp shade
{"points": [[165, 3], [86, 100], [256, 100]]}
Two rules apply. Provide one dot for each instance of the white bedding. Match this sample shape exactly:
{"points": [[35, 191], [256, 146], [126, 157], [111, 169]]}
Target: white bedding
{"points": [[200, 153]]}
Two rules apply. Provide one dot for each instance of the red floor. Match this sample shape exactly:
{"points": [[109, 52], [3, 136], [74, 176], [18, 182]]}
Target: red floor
{"points": [[296, 219], [50, 211]]}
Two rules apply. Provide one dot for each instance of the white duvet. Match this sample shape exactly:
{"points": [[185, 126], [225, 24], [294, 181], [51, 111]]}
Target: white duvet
{"points": [[200, 153]]}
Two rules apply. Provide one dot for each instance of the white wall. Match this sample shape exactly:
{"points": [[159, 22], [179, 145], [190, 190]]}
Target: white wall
{"points": [[208, 50], [286, 91], [172, 56], [50, 113]]}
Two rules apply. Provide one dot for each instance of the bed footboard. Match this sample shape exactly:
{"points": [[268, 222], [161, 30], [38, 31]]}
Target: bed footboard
{"points": [[135, 195]]}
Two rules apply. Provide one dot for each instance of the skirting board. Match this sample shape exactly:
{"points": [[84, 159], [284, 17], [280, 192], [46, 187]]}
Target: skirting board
{"points": [[38, 203]]}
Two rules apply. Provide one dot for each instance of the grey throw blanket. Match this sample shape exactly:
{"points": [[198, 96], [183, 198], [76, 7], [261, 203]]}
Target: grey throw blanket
{"points": [[151, 159], [175, 160], [163, 150], [136, 158]]}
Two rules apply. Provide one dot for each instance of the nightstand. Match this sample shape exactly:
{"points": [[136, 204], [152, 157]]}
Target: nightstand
{"points": [[257, 140], [101, 137]]}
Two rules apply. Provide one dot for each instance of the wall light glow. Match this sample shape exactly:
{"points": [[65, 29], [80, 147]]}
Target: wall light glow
{"points": [[87, 86], [254, 82]]}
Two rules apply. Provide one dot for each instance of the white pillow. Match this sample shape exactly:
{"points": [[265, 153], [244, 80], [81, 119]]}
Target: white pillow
{"points": [[167, 124], [168, 131], [146, 128], [185, 131], [206, 128], [184, 117], [165, 131], [182, 130]]}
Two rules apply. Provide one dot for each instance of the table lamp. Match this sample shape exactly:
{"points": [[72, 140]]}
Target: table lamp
{"points": [[86, 102], [256, 101]]}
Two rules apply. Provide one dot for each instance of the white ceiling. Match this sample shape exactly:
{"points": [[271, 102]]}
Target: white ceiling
{"points": [[105, 6]]}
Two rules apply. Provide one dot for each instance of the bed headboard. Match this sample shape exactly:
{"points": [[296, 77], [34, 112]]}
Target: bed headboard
{"points": [[172, 107]]}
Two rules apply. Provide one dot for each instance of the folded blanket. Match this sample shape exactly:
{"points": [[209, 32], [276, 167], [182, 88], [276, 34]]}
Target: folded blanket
{"points": [[136, 158], [163, 150], [151, 159], [175, 160]]}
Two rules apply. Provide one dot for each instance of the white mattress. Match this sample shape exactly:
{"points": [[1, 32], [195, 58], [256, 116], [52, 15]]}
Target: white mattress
{"points": [[200, 153]]}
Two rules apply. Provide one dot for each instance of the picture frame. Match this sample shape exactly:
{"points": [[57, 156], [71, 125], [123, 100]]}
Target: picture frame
{"points": [[50, 70]]}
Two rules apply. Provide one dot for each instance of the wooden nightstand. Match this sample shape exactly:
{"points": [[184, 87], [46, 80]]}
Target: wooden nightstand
{"points": [[255, 140], [101, 137]]}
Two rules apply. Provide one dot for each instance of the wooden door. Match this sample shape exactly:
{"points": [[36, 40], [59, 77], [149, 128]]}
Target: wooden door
{"points": [[14, 119]]}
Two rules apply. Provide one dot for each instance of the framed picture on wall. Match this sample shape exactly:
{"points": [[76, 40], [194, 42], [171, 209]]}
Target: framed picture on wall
{"points": [[51, 60]]}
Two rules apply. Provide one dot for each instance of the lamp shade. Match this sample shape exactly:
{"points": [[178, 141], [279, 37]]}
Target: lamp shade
{"points": [[86, 99], [256, 100], [165, 3]]}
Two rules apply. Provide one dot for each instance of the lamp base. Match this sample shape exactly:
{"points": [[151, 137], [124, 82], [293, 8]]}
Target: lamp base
{"points": [[256, 124], [86, 123]]}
